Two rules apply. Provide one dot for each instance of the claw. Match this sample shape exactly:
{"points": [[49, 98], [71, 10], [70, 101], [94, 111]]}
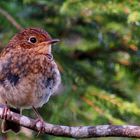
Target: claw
{"points": [[5, 113], [40, 124]]}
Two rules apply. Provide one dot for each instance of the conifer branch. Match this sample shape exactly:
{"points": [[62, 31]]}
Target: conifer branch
{"points": [[10, 19]]}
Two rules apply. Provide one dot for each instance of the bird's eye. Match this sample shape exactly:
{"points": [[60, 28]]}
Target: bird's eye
{"points": [[32, 39]]}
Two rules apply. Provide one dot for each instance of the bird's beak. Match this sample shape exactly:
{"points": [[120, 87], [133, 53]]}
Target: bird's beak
{"points": [[44, 46], [53, 41]]}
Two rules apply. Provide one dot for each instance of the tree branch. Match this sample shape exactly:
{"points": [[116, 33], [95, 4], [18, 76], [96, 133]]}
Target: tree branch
{"points": [[75, 132], [10, 19]]}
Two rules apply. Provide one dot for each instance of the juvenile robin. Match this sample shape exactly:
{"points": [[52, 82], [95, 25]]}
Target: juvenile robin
{"points": [[28, 73]]}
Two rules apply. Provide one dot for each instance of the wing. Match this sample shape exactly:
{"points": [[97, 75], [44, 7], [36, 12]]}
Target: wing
{"points": [[6, 71]]}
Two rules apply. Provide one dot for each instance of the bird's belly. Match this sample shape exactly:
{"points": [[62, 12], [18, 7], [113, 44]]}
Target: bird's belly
{"points": [[28, 93], [33, 89]]}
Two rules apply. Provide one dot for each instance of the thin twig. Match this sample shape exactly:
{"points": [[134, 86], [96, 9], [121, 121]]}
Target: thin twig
{"points": [[75, 132], [10, 19]]}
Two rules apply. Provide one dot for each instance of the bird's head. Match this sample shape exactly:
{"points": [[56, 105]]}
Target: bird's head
{"points": [[34, 39]]}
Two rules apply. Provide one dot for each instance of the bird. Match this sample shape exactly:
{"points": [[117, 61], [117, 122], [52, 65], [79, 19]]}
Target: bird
{"points": [[29, 74]]}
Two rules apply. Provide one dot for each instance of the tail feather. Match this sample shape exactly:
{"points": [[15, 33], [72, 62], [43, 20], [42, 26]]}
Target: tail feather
{"points": [[8, 125]]}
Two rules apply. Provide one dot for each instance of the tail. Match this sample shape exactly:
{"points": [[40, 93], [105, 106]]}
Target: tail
{"points": [[8, 125]]}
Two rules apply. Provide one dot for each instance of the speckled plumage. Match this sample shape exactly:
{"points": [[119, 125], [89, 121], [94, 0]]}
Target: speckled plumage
{"points": [[28, 72]]}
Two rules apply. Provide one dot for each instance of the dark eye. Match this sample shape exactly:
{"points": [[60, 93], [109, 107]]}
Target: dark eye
{"points": [[33, 40]]}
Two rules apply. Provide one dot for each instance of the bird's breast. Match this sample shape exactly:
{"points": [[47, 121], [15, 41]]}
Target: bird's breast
{"points": [[30, 81]]}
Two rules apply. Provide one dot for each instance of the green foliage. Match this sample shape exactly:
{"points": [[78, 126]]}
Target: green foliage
{"points": [[98, 56]]}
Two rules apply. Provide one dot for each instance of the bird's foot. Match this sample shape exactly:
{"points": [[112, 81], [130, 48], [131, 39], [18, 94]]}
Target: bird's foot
{"points": [[40, 124], [5, 112]]}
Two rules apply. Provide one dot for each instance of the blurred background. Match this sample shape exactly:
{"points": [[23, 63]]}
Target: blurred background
{"points": [[98, 56]]}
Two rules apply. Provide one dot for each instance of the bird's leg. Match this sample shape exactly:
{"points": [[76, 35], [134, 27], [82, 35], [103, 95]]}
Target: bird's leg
{"points": [[5, 112], [37, 113], [39, 122]]}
